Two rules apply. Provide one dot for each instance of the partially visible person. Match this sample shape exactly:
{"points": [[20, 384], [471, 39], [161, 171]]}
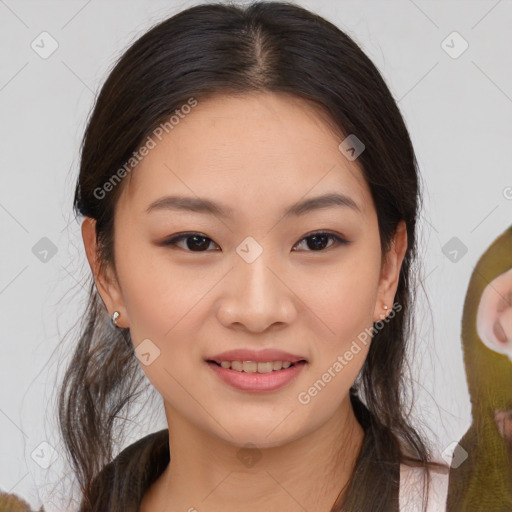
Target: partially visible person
{"points": [[481, 471]]}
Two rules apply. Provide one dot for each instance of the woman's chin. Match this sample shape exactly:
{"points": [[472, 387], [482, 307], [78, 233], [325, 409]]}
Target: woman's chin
{"points": [[261, 435]]}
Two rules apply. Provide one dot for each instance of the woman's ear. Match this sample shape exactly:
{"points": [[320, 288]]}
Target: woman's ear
{"points": [[105, 279], [494, 314], [390, 272]]}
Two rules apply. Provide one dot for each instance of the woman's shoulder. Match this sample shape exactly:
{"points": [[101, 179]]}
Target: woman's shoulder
{"points": [[413, 481]]}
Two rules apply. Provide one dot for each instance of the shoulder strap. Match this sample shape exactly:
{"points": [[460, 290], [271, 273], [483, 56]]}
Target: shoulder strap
{"points": [[412, 482]]}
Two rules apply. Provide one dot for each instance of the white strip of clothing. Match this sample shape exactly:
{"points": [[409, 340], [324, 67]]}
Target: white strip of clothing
{"points": [[412, 481]]}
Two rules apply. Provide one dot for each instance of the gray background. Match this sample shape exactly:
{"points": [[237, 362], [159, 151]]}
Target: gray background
{"points": [[458, 111]]}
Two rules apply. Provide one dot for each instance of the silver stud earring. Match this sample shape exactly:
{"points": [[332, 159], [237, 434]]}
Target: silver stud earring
{"points": [[115, 316]]}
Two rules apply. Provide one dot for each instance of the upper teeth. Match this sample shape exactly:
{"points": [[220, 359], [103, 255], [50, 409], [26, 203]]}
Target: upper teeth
{"points": [[255, 367]]}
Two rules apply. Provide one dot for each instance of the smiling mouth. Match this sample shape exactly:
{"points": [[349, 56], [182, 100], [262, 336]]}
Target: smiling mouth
{"points": [[257, 367]]}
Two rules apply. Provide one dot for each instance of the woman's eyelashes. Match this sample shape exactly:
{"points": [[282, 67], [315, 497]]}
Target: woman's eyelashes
{"points": [[317, 241]]}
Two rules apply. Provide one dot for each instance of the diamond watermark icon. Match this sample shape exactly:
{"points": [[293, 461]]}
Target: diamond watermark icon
{"points": [[249, 249], [454, 455], [454, 249], [249, 455], [351, 147], [454, 45], [44, 250], [44, 45], [147, 352], [44, 455]]}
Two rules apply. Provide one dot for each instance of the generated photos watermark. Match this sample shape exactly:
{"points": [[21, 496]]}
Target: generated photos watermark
{"points": [[304, 397], [144, 149]]}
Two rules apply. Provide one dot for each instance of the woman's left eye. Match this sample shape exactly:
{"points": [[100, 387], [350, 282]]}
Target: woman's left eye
{"points": [[319, 238], [196, 242]]}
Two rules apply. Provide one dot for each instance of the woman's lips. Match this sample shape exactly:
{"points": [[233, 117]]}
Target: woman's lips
{"points": [[267, 354], [257, 382]]}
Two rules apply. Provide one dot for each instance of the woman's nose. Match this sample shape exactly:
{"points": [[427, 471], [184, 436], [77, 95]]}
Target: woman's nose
{"points": [[257, 295]]}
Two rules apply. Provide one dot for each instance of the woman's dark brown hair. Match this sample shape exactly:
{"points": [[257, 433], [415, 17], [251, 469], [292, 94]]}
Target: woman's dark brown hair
{"points": [[227, 49]]}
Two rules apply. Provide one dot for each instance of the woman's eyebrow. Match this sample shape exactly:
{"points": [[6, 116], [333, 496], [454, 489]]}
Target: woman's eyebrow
{"points": [[207, 206]]}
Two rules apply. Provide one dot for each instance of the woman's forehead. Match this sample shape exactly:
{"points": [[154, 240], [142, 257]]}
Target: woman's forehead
{"points": [[253, 144]]}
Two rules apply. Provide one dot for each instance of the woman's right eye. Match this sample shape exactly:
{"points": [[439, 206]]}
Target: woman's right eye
{"points": [[195, 242]]}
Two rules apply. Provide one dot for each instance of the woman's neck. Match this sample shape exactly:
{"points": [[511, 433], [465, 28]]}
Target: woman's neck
{"points": [[209, 474]]}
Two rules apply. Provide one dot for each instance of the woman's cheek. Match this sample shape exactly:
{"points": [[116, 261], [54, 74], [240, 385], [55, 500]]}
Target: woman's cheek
{"points": [[347, 302]]}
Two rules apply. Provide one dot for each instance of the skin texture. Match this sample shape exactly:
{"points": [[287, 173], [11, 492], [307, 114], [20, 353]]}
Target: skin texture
{"points": [[257, 154]]}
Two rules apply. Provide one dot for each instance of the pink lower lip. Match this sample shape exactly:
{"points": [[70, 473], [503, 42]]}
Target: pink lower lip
{"points": [[257, 381]]}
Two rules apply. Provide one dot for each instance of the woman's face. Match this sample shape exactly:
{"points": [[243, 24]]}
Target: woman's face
{"points": [[253, 278]]}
